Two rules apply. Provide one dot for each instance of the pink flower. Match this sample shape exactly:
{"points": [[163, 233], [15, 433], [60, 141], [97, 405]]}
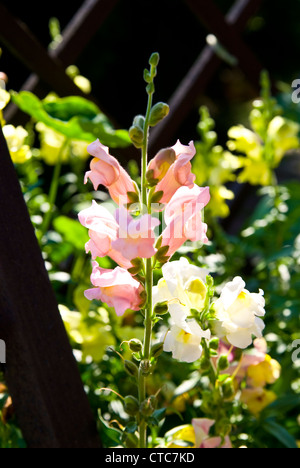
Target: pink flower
{"points": [[106, 170], [103, 230], [183, 217], [135, 236], [172, 168], [117, 288], [202, 427], [120, 237]]}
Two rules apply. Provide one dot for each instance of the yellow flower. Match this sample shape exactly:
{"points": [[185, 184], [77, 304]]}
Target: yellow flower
{"points": [[53, 149], [217, 205], [284, 136], [255, 172], [257, 399], [180, 437], [266, 372], [262, 157], [245, 141], [91, 334], [15, 138]]}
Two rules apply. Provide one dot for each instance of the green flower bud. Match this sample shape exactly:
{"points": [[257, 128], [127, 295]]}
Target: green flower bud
{"points": [[130, 440], [161, 308], [135, 345], [214, 343], [136, 134], [204, 363], [158, 113], [154, 59], [157, 349], [145, 367], [150, 88], [147, 76], [223, 363], [148, 406], [139, 121], [131, 368], [131, 405], [228, 388]]}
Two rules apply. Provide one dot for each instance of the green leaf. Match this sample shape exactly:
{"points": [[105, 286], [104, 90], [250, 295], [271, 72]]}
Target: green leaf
{"points": [[72, 231], [160, 413], [280, 433], [110, 436], [74, 117], [186, 386], [282, 405]]}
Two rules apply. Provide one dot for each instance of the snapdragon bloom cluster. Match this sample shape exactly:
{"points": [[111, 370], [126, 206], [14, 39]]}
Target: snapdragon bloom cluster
{"points": [[127, 238], [235, 317]]}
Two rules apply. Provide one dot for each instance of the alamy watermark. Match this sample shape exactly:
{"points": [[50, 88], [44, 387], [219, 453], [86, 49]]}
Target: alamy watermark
{"points": [[2, 352], [296, 353], [296, 92]]}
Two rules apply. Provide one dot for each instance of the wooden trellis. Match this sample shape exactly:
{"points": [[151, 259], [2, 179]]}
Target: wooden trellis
{"points": [[41, 372]]}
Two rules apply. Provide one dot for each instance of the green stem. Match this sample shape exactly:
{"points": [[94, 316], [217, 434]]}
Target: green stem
{"points": [[145, 153], [53, 191], [148, 282]]}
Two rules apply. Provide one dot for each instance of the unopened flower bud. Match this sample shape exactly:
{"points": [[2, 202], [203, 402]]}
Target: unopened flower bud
{"points": [[145, 367], [228, 388], [158, 113], [154, 59], [150, 88], [135, 345], [148, 406], [131, 368], [223, 363], [205, 363], [131, 405], [136, 135], [157, 349], [161, 308], [214, 343]]}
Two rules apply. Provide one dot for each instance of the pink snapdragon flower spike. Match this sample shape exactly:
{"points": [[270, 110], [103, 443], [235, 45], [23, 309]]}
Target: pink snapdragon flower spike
{"points": [[184, 218], [202, 427], [136, 237], [172, 168], [103, 231], [106, 170], [117, 288]]}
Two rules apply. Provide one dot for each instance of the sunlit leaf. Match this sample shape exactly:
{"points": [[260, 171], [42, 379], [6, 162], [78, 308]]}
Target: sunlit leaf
{"points": [[74, 117]]}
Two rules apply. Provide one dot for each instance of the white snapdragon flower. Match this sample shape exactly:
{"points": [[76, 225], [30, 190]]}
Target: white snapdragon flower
{"points": [[184, 340], [183, 287], [238, 312]]}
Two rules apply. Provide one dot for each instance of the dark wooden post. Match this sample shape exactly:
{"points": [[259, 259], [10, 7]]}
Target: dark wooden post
{"points": [[41, 373]]}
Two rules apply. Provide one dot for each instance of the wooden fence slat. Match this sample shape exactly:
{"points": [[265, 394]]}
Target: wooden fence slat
{"points": [[195, 81], [21, 42], [75, 37], [212, 18], [41, 373], [81, 29]]}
